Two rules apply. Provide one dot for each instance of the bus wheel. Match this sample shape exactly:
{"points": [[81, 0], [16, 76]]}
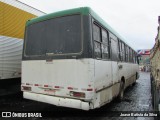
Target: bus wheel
{"points": [[121, 92], [133, 84]]}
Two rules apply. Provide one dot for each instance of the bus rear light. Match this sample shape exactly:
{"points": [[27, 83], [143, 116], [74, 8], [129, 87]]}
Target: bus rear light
{"points": [[45, 85], [77, 94], [90, 89], [56, 86], [37, 85], [70, 88], [26, 88]]}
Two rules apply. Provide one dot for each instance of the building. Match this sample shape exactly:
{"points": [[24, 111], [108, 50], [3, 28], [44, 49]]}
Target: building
{"points": [[13, 16], [144, 59]]}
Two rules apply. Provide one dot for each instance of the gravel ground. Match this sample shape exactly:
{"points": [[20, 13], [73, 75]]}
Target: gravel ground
{"points": [[136, 98]]}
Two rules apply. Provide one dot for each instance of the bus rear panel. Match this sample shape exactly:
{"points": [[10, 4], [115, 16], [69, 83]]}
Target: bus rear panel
{"points": [[56, 62]]}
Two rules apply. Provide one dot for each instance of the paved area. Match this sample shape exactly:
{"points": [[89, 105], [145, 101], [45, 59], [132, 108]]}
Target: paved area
{"points": [[136, 98]]}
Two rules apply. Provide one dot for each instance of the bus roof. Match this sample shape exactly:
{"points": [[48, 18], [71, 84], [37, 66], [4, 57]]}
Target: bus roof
{"points": [[83, 11]]}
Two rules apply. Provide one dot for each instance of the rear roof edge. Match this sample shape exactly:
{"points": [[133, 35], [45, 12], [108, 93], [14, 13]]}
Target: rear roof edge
{"points": [[82, 10]]}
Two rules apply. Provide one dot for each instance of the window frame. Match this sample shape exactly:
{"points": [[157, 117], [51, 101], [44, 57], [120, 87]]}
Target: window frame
{"points": [[106, 44], [46, 55], [101, 42], [125, 53]]}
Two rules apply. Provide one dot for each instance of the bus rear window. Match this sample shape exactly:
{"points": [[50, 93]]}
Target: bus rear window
{"points": [[56, 36]]}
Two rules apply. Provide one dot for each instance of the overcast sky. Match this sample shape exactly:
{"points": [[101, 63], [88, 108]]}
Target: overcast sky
{"points": [[135, 20]]}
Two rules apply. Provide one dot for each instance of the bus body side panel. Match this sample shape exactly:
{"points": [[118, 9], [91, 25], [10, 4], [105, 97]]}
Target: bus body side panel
{"points": [[131, 72], [103, 80], [128, 71], [107, 88], [59, 77]]}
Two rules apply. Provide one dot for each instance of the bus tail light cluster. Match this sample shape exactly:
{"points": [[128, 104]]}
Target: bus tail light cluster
{"points": [[26, 88], [58, 87], [89, 89], [36, 85], [72, 88], [77, 94]]}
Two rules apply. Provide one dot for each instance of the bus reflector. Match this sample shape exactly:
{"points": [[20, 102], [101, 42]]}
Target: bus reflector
{"points": [[70, 88], [45, 85], [36, 85], [26, 88], [57, 87], [77, 94], [90, 89]]}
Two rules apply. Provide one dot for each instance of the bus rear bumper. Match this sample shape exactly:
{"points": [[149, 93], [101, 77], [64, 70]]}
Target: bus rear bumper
{"points": [[58, 101]]}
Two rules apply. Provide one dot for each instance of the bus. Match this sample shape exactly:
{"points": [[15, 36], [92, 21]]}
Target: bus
{"points": [[74, 59]]}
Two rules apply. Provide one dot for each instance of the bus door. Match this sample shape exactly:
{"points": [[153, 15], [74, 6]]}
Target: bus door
{"points": [[114, 58]]}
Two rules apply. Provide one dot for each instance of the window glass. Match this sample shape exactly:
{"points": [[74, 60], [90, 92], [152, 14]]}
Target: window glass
{"points": [[96, 33], [133, 58], [105, 53], [104, 36], [126, 48], [56, 36], [120, 51], [101, 44], [128, 54], [114, 45], [97, 49], [123, 51]]}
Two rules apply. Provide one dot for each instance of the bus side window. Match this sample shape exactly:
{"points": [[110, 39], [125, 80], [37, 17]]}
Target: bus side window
{"points": [[97, 41], [126, 53], [134, 60], [120, 50], [130, 55], [133, 56], [105, 45], [123, 51]]}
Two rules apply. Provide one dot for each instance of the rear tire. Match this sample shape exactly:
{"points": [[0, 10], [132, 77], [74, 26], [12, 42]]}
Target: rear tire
{"points": [[133, 84], [137, 76], [121, 92]]}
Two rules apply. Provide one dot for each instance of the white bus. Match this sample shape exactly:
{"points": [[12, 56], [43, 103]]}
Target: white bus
{"points": [[72, 58]]}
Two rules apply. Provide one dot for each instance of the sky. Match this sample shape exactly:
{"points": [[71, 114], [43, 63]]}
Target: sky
{"points": [[135, 20]]}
